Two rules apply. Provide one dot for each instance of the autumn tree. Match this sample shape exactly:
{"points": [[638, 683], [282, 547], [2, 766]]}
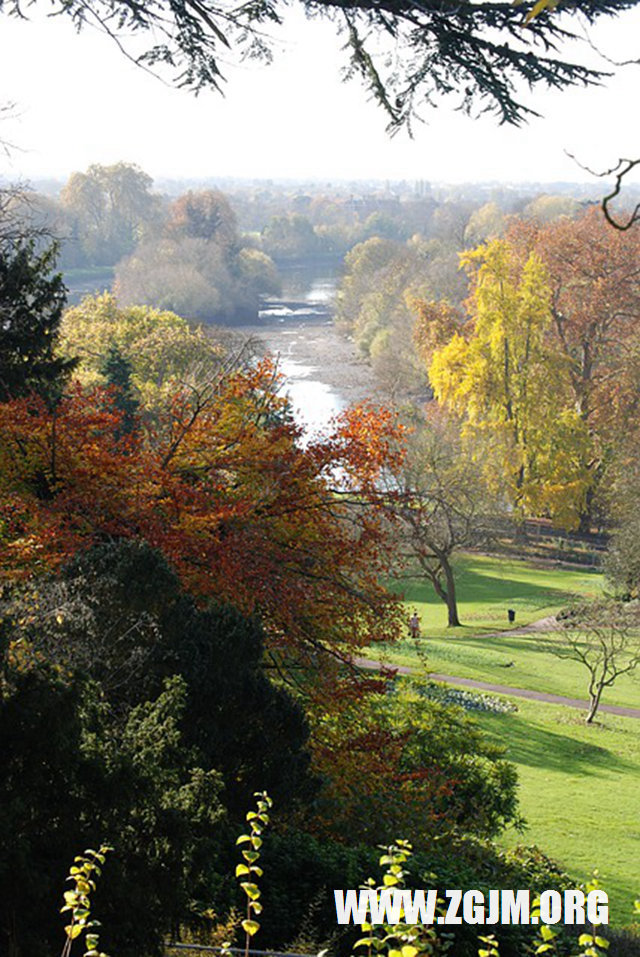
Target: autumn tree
{"points": [[594, 280], [164, 351], [441, 505], [224, 489], [603, 638], [205, 214], [495, 373]]}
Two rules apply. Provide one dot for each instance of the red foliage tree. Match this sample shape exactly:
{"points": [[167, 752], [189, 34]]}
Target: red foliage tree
{"points": [[225, 489]]}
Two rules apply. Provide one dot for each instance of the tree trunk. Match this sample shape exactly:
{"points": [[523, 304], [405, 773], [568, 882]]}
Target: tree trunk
{"points": [[448, 594], [586, 516], [594, 704], [451, 599]]}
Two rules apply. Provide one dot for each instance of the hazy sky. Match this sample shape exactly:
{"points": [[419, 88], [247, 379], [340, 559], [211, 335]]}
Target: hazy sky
{"points": [[80, 102]]}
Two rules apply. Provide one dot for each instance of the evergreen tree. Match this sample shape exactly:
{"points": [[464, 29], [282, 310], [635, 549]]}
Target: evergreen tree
{"points": [[32, 299], [116, 369]]}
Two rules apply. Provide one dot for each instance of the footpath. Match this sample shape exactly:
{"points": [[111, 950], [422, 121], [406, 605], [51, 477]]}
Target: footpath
{"points": [[369, 664]]}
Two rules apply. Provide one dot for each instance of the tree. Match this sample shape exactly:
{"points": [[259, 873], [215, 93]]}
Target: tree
{"points": [[32, 298], [165, 353], [396, 758], [495, 373], [111, 208], [25, 217], [118, 615], [439, 500], [594, 281], [206, 214], [479, 52], [222, 486], [290, 237], [603, 637], [197, 278], [117, 372], [622, 560], [381, 277], [72, 773]]}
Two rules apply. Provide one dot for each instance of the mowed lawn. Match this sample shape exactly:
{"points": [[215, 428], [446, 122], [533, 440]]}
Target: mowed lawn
{"points": [[579, 792], [487, 588], [579, 786]]}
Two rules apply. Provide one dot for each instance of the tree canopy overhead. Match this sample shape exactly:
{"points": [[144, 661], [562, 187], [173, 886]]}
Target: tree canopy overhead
{"points": [[475, 50]]}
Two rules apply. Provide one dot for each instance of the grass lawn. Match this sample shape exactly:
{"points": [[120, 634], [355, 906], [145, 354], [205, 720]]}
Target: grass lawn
{"points": [[579, 785], [579, 791], [487, 587]]}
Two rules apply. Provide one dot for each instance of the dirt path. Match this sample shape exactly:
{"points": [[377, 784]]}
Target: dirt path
{"points": [[503, 689], [550, 623]]}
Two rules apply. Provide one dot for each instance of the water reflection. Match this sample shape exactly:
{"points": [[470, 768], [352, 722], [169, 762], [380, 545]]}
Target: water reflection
{"points": [[314, 403]]}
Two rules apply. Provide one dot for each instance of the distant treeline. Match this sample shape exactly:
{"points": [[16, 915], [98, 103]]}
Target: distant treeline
{"points": [[211, 256]]}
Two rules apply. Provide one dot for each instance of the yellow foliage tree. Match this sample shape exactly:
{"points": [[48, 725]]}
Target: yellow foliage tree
{"points": [[164, 350], [511, 390]]}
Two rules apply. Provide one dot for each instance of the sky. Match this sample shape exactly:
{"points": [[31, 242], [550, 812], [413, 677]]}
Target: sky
{"points": [[78, 101]]}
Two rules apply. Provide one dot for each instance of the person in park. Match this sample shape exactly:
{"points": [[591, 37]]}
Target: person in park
{"points": [[414, 624]]}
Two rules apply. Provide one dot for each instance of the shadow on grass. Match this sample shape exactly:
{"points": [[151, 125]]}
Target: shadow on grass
{"points": [[475, 587], [538, 747]]}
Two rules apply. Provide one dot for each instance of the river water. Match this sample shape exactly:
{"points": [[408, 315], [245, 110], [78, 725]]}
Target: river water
{"points": [[322, 369]]}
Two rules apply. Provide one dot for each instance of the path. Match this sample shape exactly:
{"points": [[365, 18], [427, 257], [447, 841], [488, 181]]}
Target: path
{"points": [[502, 689]]}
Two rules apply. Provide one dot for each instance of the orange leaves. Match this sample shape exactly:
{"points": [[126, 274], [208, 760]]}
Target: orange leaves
{"points": [[368, 439], [225, 490]]}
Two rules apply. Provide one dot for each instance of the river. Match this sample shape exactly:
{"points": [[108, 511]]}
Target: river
{"points": [[323, 370]]}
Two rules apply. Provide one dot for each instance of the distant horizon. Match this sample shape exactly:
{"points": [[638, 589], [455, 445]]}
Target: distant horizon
{"points": [[596, 186]]}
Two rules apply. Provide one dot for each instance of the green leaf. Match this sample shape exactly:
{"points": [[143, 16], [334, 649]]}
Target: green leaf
{"points": [[250, 927], [251, 890], [242, 869]]}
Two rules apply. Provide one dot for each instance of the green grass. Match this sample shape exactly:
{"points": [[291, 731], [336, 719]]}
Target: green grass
{"points": [[579, 792], [579, 786], [487, 588]]}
